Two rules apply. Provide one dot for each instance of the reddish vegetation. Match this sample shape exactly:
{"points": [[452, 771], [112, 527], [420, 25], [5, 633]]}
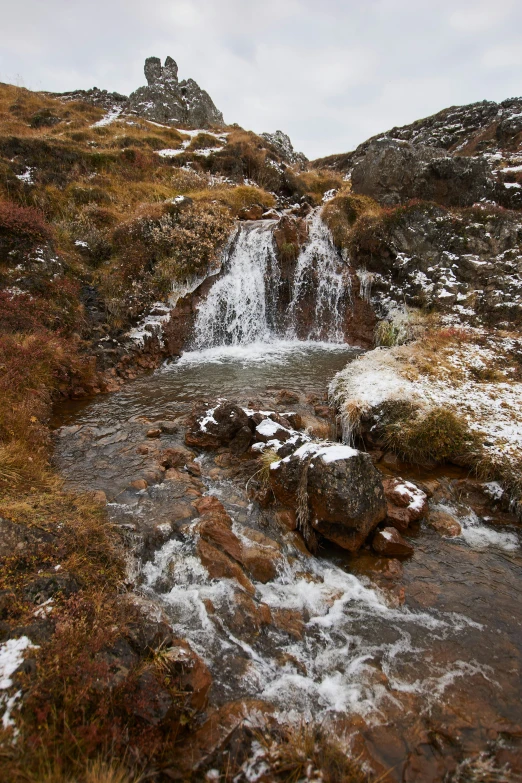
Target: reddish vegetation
{"points": [[21, 226]]}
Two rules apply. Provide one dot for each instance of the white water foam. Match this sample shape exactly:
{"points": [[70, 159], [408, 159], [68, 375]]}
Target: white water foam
{"points": [[352, 636], [271, 352]]}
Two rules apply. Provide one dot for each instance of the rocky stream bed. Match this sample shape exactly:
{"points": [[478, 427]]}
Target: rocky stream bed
{"points": [[405, 638]]}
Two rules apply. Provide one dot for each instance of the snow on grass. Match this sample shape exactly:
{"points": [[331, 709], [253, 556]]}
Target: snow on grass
{"points": [[11, 657], [448, 379], [111, 115]]}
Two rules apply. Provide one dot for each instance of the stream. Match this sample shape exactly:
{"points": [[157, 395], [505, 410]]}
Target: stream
{"points": [[420, 657]]}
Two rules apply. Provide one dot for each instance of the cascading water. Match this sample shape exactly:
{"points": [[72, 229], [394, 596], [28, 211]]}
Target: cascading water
{"points": [[239, 308], [319, 268], [247, 303]]}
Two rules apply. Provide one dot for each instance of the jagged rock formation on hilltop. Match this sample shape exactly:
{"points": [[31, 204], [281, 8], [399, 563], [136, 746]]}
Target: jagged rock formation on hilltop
{"points": [[165, 99], [456, 157]]}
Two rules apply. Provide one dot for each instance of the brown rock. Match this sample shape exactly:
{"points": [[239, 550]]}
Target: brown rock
{"points": [[154, 432], [295, 539], [444, 523], [391, 460], [286, 396], [139, 484], [286, 518], [290, 621], [221, 566], [390, 543], [210, 504], [295, 420], [316, 427], [217, 427], [189, 672], [218, 533], [181, 511], [203, 744], [193, 468], [406, 497], [392, 569], [175, 457], [323, 411], [142, 449], [255, 212]]}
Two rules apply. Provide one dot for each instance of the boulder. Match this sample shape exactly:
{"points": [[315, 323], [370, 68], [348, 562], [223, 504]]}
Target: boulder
{"points": [[344, 490], [218, 426], [221, 566], [390, 543]]}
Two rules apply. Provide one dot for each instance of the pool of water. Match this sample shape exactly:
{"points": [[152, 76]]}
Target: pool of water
{"points": [[237, 372]]}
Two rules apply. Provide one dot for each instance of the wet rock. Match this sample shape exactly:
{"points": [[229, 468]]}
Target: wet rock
{"points": [[260, 558], [193, 469], [139, 484], [286, 396], [175, 457], [286, 518], [221, 566], [316, 427], [390, 543], [212, 737], [190, 674], [255, 212], [248, 617], [210, 504], [392, 569], [169, 427], [241, 441], [444, 523], [290, 621], [216, 426], [405, 502], [295, 420], [343, 489], [154, 432]]}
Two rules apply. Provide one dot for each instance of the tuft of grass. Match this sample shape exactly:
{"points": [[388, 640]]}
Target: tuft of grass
{"points": [[400, 327], [437, 435]]}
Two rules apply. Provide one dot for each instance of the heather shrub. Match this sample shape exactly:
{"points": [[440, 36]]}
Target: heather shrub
{"points": [[21, 227]]}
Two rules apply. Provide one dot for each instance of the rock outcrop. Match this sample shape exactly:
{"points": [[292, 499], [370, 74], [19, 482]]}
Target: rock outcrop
{"points": [[394, 172], [165, 99]]}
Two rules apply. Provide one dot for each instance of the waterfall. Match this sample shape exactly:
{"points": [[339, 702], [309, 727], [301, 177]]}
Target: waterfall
{"points": [[248, 303], [319, 269]]}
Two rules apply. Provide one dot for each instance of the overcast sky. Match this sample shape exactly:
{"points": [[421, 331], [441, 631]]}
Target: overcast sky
{"points": [[330, 73]]}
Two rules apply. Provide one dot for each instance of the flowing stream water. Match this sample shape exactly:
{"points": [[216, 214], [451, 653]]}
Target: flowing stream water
{"points": [[434, 648]]}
